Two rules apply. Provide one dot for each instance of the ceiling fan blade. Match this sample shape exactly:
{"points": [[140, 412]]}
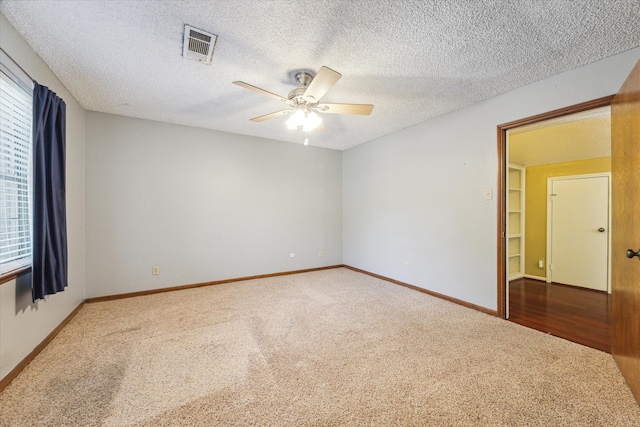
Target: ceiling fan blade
{"points": [[261, 91], [321, 83], [271, 115], [363, 109]]}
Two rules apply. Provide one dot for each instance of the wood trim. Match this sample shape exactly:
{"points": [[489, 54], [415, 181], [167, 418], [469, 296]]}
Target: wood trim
{"points": [[18, 369], [536, 278], [502, 191], [577, 108], [426, 291], [543, 281], [199, 285], [7, 277], [502, 223], [577, 287]]}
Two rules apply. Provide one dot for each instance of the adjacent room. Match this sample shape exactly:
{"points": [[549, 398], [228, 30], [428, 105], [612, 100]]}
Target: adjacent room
{"points": [[310, 213], [558, 214]]}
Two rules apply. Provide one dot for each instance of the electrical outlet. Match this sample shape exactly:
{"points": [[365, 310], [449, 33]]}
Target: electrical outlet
{"points": [[155, 270], [321, 254], [540, 263]]}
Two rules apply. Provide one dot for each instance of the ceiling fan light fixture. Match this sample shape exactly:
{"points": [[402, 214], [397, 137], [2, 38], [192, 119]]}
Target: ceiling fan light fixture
{"points": [[305, 119], [312, 121], [296, 120]]}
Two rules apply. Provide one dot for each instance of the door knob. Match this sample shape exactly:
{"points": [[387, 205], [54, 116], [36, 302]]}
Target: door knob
{"points": [[631, 253], [601, 229]]}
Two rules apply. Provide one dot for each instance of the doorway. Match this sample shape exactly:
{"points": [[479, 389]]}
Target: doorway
{"points": [[534, 247]]}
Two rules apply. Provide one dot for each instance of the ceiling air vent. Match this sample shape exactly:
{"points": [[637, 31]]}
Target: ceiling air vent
{"points": [[198, 44]]}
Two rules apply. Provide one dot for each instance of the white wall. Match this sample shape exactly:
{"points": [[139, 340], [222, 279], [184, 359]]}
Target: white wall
{"points": [[417, 195], [23, 324], [203, 205]]}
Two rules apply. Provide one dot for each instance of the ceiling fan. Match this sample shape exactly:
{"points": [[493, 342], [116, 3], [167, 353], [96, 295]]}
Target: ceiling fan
{"points": [[304, 101]]}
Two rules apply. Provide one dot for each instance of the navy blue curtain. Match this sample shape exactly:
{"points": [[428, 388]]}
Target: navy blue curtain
{"points": [[49, 268]]}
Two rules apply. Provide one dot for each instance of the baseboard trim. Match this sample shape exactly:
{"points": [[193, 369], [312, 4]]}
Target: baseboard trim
{"points": [[428, 292], [531, 276], [200, 285], [20, 366]]}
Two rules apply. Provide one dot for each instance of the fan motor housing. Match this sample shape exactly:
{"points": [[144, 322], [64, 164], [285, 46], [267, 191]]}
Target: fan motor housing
{"points": [[297, 93], [303, 79]]}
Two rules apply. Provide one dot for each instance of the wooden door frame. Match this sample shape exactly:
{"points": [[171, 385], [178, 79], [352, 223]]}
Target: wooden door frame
{"points": [[502, 190]]}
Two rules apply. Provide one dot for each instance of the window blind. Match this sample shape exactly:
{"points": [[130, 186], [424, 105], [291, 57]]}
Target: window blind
{"points": [[16, 110]]}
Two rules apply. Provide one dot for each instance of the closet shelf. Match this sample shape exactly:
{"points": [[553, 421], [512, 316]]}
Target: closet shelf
{"points": [[515, 221]]}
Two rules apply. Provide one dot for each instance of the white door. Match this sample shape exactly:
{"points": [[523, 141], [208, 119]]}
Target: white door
{"points": [[579, 231]]}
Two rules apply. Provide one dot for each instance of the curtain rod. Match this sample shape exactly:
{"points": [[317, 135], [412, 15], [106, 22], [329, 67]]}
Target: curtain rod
{"points": [[7, 69]]}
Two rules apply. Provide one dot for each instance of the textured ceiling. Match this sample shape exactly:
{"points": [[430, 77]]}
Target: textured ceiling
{"points": [[412, 59], [585, 135]]}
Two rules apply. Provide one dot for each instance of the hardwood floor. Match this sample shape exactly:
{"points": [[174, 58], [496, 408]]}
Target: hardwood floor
{"points": [[579, 315]]}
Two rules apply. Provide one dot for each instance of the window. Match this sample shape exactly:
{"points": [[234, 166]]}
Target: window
{"points": [[16, 110]]}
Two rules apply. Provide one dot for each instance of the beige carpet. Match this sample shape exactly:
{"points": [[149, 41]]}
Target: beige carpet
{"points": [[333, 347]]}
